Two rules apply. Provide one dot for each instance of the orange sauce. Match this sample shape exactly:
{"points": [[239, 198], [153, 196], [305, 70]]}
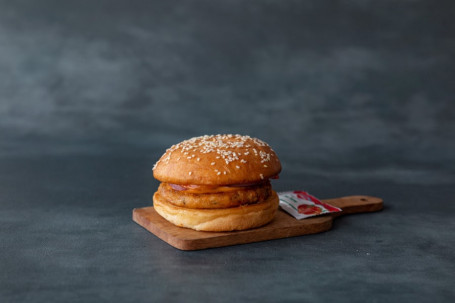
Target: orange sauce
{"points": [[206, 189]]}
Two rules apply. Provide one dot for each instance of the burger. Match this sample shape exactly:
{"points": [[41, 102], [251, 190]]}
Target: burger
{"points": [[217, 183]]}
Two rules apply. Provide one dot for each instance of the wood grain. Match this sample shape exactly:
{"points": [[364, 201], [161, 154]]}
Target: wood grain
{"points": [[283, 226]]}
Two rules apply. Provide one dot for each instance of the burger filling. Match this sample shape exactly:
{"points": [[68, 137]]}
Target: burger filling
{"points": [[205, 196]]}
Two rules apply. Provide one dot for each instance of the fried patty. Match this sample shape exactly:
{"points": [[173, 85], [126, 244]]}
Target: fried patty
{"points": [[226, 199]]}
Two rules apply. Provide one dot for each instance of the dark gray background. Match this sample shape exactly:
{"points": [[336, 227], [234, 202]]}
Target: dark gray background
{"points": [[356, 97]]}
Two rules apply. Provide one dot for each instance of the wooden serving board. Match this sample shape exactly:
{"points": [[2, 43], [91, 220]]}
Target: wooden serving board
{"points": [[283, 226]]}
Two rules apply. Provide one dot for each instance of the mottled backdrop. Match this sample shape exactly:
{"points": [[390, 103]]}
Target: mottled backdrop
{"points": [[345, 89]]}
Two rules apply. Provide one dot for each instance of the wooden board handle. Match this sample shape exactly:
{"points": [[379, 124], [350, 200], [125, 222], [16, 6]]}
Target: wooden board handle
{"points": [[355, 204]]}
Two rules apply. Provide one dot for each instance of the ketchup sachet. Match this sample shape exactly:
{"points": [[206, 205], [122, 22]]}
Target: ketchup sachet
{"points": [[301, 204]]}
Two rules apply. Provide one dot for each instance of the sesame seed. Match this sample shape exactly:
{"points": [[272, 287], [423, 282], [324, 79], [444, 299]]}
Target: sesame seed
{"points": [[237, 166], [224, 172], [265, 165], [189, 173], [218, 173], [198, 159], [243, 161], [213, 163], [261, 175]]}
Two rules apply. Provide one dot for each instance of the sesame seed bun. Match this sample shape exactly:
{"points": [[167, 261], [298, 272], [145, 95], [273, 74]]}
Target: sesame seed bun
{"points": [[217, 183], [223, 219], [218, 160]]}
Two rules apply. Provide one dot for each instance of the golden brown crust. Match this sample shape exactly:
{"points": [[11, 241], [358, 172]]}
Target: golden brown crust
{"points": [[217, 160], [227, 199], [229, 219]]}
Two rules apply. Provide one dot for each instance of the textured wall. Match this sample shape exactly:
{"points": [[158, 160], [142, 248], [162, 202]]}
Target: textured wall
{"points": [[348, 89]]}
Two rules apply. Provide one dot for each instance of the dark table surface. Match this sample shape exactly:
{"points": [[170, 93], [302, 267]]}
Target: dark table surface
{"points": [[356, 97], [67, 235]]}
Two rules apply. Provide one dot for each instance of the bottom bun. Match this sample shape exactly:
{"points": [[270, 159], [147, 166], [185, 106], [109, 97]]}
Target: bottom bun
{"points": [[222, 219]]}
